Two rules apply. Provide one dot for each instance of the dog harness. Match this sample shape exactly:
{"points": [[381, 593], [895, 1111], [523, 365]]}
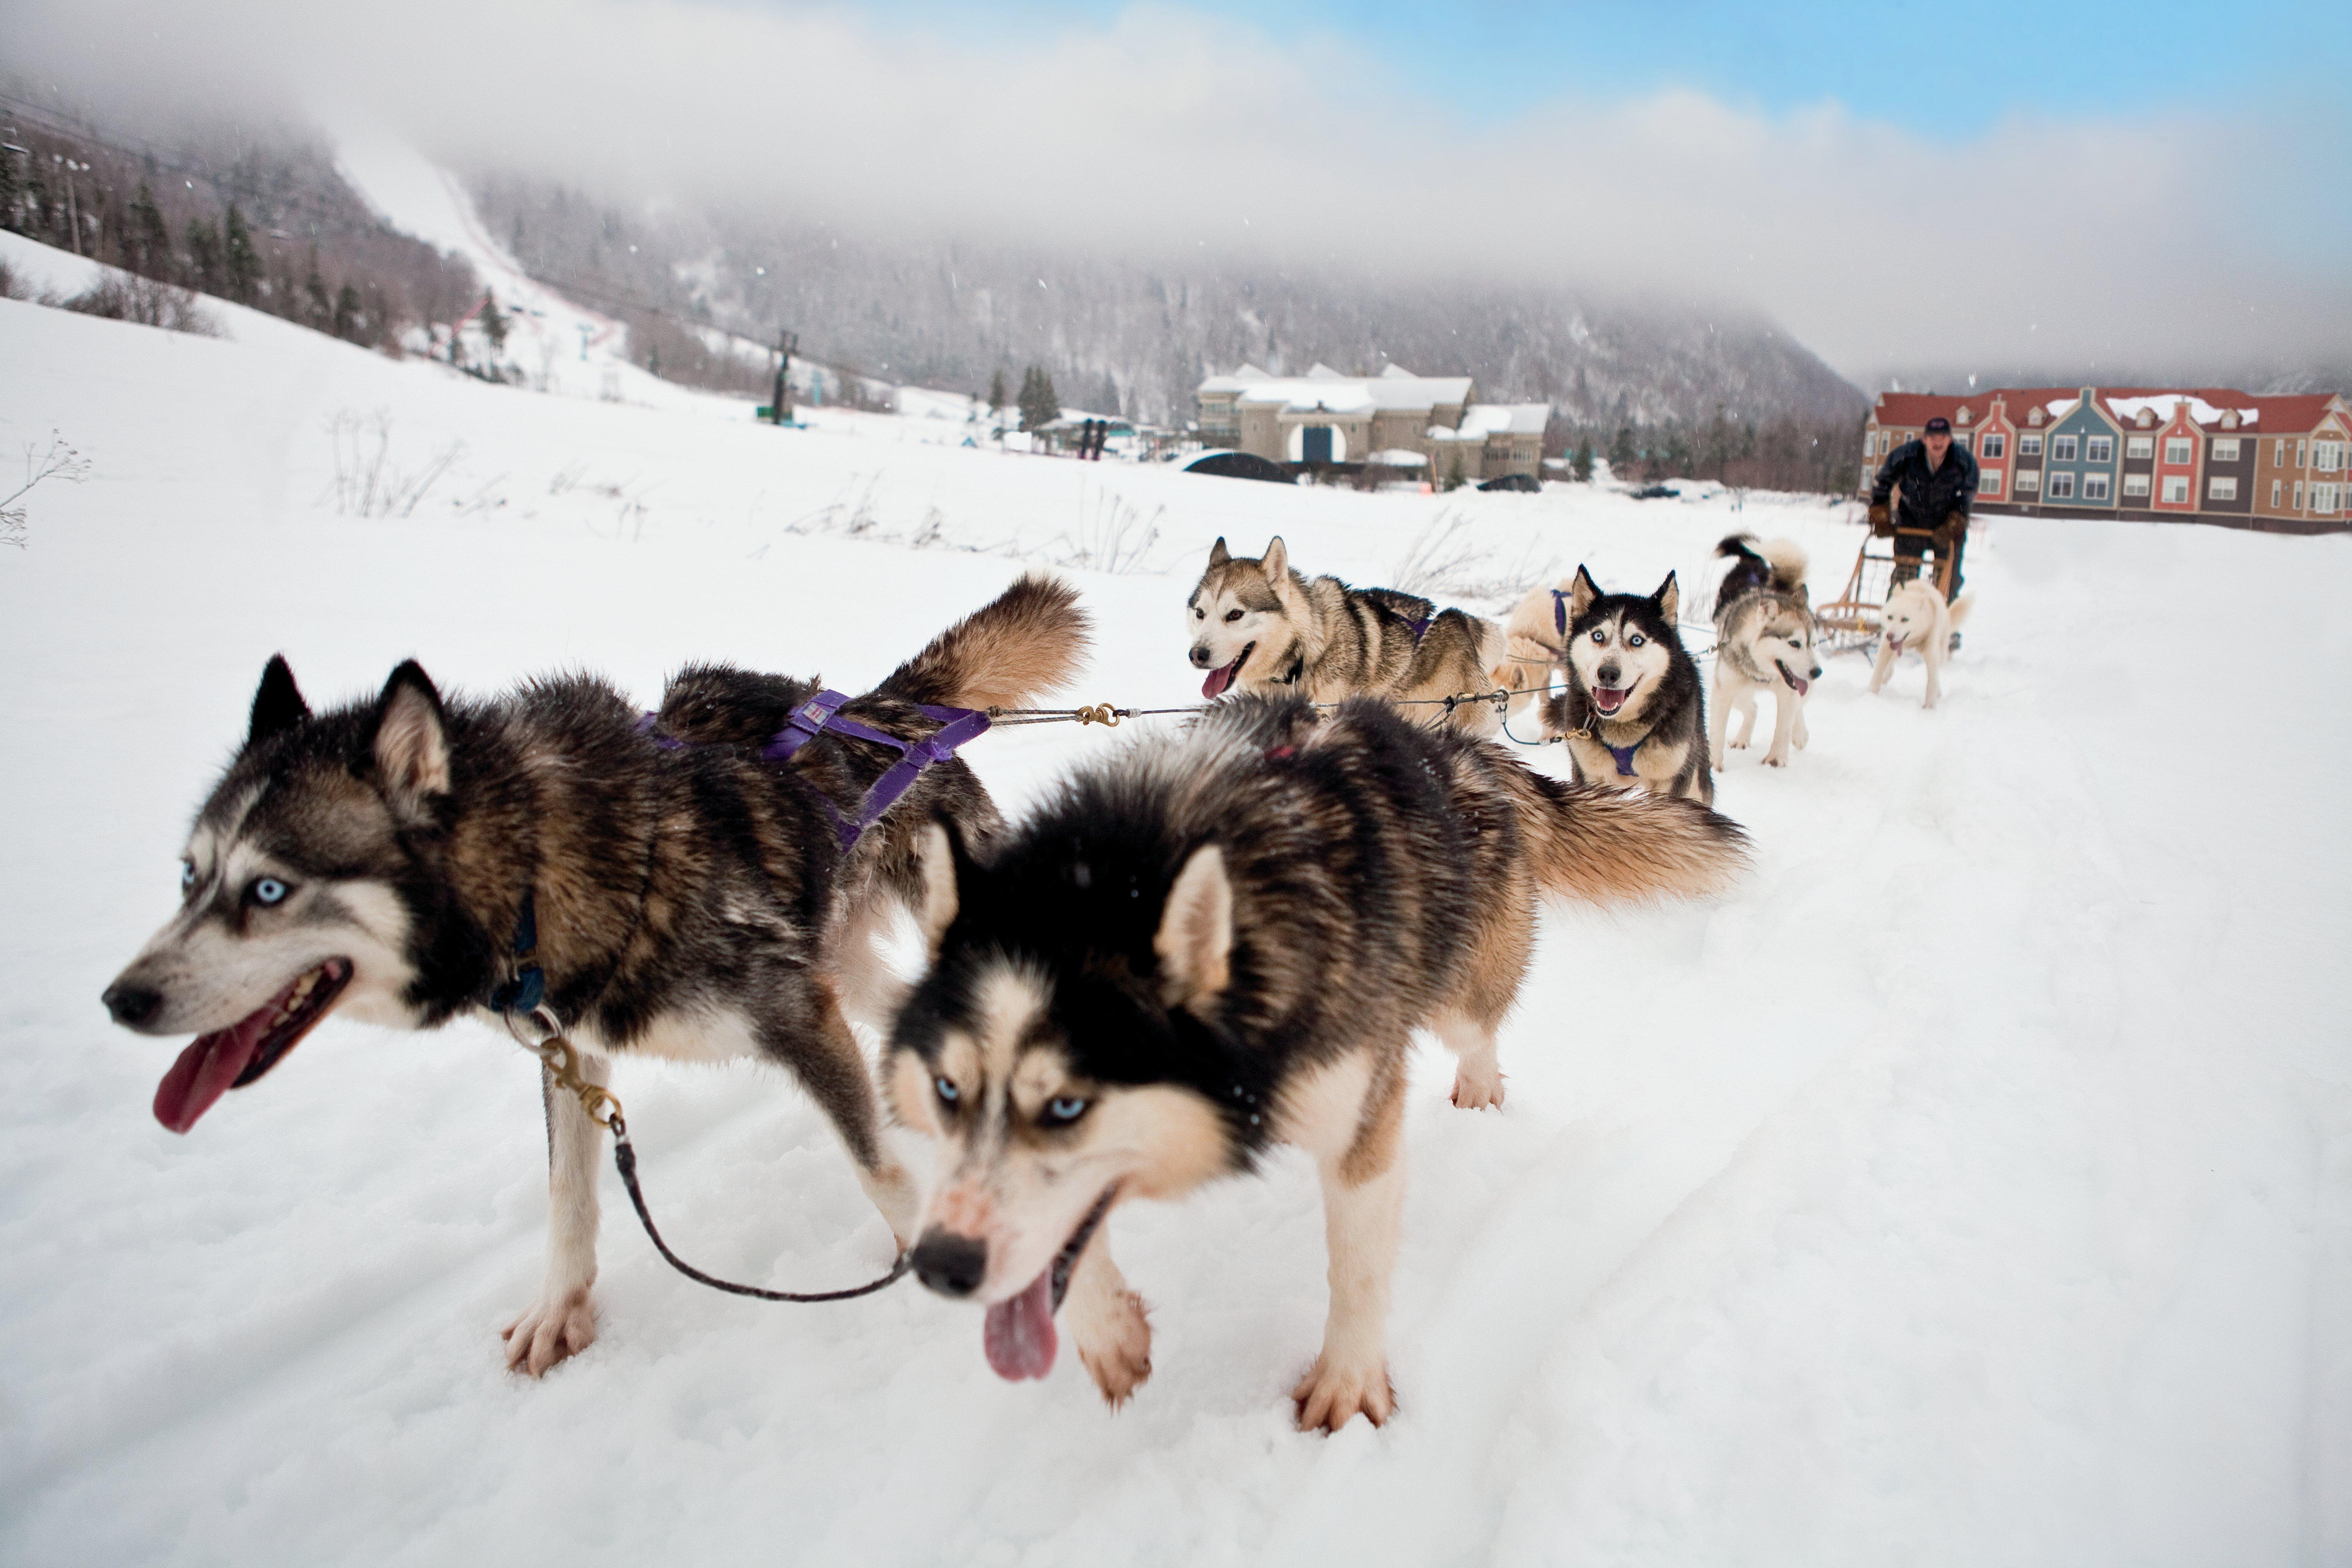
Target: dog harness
{"points": [[1420, 628], [1624, 755], [1560, 611], [821, 713]]}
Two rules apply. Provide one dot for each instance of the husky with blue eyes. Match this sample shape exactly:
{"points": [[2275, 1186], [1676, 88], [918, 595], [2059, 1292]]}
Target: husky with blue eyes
{"points": [[669, 886], [1220, 940], [1764, 632], [1634, 713]]}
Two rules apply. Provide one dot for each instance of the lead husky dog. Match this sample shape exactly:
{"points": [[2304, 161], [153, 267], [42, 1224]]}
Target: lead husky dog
{"points": [[1260, 627], [1764, 632], [1634, 713], [688, 901], [1916, 619], [1217, 941]]}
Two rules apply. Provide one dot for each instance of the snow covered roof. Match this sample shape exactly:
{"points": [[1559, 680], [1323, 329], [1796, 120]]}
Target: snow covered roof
{"points": [[1239, 378], [1481, 420], [1338, 393]]}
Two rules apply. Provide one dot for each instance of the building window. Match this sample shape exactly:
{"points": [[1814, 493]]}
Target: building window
{"points": [[2094, 487], [2298, 454], [2297, 505], [2225, 448], [2175, 490], [2061, 486], [2099, 450], [2323, 499], [2278, 454], [2029, 445], [1991, 485], [2222, 489], [2030, 479], [2175, 450], [1995, 444], [2328, 456], [2061, 448], [2277, 487], [2140, 447], [2136, 485]]}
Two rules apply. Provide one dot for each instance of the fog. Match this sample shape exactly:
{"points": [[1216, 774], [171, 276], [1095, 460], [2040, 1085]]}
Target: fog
{"points": [[2190, 243]]}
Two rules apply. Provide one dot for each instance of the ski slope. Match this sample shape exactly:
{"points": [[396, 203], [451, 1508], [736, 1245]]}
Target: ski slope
{"points": [[1973, 1186]]}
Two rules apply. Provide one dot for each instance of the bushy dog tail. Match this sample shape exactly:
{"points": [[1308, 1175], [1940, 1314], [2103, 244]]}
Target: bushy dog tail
{"points": [[1961, 606], [1784, 561], [1033, 638], [1598, 846]]}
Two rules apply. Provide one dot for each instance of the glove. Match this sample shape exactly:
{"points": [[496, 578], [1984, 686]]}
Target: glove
{"points": [[1882, 521], [1956, 523]]}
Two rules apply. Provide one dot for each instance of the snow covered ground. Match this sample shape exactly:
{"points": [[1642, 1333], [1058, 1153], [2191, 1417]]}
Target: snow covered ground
{"points": [[1974, 1186]]}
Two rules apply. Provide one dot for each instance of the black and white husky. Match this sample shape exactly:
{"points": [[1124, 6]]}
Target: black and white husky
{"points": [[1219, 940], [1764, 633], [681, 894], [1634, 713]]}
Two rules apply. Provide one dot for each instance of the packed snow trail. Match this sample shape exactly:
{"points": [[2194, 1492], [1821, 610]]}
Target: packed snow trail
{"points": [[1970, 1186]]}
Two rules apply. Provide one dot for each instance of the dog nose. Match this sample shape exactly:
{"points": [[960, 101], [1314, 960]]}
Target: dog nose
{"points": [[1608, 674], [1201, 655], [133, 1005], [950, 1264]]}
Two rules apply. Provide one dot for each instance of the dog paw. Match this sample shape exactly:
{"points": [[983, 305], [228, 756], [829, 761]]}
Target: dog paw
{"points": [[1739, 745], [1776, 759], [1330, 1397], [1116, 1348], [551, 1329], [1477, 1093]]}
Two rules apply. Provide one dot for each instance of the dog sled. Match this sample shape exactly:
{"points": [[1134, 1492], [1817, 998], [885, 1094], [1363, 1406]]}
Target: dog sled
{"points": [[1849, 623]]}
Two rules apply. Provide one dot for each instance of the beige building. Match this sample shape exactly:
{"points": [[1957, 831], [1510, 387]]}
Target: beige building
{"points": [[1396, 420]]}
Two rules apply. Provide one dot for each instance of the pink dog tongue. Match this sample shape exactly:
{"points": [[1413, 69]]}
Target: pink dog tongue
{"points": [[208, 1067], [1219, 679], [1020, 1332]]}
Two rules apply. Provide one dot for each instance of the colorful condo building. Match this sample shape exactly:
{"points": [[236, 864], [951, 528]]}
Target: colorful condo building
{"points": [[2207, 454]]}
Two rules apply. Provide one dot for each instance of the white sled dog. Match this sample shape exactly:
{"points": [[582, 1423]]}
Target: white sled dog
{"points": [[1918, 620], [1764, 633]]}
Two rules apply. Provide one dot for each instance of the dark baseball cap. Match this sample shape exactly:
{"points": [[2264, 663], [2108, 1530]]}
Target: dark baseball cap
{"points": [[1940, 425]]}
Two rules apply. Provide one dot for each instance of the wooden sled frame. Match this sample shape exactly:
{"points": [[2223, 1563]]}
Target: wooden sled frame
{"points": [[1849, 623]]}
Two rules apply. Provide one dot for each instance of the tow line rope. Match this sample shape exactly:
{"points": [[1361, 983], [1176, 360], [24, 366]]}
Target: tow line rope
{"points": [[561, 1057]]}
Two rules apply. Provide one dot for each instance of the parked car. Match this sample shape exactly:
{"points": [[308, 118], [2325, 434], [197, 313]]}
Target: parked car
{"points": [[1231, 464], [1654, 492], [1525, 483]]}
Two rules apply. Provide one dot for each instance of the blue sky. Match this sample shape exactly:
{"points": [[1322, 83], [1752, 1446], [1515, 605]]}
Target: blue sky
{"points": [[1944, 74]]}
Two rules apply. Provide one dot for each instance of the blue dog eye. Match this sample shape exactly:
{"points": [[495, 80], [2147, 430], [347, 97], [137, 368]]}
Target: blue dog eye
{"points": [[268, 890], [946, 1089], [1067, 1108], [187, 875], [1636, 640]]}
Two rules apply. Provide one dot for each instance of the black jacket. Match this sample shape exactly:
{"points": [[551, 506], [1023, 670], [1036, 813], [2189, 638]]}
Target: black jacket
{"points": [[1927, 496]]}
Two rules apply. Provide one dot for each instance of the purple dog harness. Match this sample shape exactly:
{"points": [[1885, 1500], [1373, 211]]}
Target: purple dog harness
{"points": [[821, 713]]}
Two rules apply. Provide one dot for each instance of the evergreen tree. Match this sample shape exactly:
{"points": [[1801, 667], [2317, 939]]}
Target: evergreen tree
{"points": [[12, 190], [996, 390], [1583, 468], [1454, 472], [240, 262], [204, 266], [494, 323], [348, 316], [1039, 406], [319, 308], [150, 240], [1622, 453]]}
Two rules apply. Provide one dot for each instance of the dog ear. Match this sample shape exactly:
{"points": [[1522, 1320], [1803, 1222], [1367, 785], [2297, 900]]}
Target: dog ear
{"points": [[1195, 939], [1581, 594], [944, 864], [1804, 595], [1276, 562], [411, 743], [1218, 553], [1668, 598], [277, 705]]}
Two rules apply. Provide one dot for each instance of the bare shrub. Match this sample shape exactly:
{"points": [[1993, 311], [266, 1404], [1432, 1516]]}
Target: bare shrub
{"points": [[58, 461], [367, 483], [127, 297], [1111, 536], [1439, 555]]}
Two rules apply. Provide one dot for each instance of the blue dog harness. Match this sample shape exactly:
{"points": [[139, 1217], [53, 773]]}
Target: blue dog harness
{"points": [[1624, 755]]}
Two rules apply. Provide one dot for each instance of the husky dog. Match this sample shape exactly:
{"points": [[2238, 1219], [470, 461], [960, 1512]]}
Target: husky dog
{"points": [[401, 858], [1634, 713], [1764, 633], [1260, 627], [1916, 619], [1220, 940]]}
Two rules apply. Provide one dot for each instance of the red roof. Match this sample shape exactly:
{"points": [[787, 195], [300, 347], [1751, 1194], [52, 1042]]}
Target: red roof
{"points": [[2287, 416], [2284, 416]]}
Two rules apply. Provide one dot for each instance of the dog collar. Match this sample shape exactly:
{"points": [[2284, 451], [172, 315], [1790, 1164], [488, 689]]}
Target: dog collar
{"points": [[528, 987]]}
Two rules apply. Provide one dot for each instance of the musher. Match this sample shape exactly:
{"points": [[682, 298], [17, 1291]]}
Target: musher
{"points": [[1939, 482]]}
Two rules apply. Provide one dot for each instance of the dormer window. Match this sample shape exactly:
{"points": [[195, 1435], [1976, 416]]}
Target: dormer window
{"points": [[2034, 418]]}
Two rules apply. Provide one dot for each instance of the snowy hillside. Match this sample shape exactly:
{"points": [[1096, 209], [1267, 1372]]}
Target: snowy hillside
{"points": [[1975, 1186]]}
